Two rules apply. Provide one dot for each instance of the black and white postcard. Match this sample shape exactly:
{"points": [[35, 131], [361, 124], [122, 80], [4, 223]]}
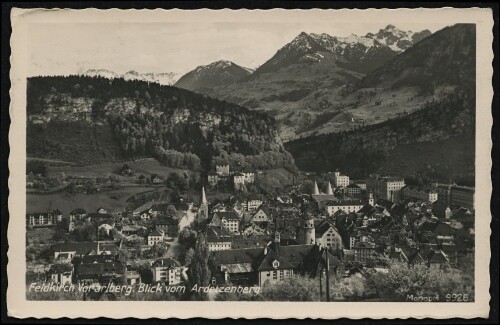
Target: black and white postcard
{"points": [[250, 163]]}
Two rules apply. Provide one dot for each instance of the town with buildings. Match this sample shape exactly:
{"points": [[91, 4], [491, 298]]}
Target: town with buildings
{"points": [[339, 226]]}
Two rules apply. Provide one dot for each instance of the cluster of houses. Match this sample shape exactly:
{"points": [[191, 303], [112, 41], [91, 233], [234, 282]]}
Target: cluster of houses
{"points": [[224, 174], [258, 238], [101, 263]]}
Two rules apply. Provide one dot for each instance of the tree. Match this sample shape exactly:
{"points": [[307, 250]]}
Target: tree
{"points": [[187, 237], [199, 272], [297, 288], [402, 280]]}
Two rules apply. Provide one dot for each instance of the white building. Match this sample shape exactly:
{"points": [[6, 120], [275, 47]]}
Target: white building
{"points": [[167, 271], [347, 206], [340, 180], [415, 193]]}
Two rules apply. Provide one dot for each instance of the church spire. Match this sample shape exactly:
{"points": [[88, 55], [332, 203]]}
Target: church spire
{"points": [[329, 190], [316, 190], [203, 196]]}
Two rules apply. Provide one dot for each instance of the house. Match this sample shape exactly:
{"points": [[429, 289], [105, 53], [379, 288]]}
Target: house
{"points": [[168, 271], [346, 206], [352, 190], [100, 272], [126, 171], [65, 252], [213, 179], [222, 169], [253, 202], [228, 220], [360, 183], [132, 277], [218, 238], [407, 255], [364, 251], [249, 175], [159, 209], [102, 210], [386, 187], [327, 235], [238, 180], [155, 179], [61, 273], [262, 215], [255, 266], [168, 226], [155, 237], [284, 199], [437, 258], [77, 214], [44, 219], [340, 180], [419, 194], [129, 230]]}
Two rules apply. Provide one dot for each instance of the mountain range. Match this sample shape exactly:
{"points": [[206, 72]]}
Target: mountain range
{"points": [[300, 84], [162, 78], [384, 101], [216, 74], [427, 96]]}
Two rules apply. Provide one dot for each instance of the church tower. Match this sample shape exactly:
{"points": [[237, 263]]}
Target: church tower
{"points": [[203, 211], [316, 189], [308, 231], [371, 201], [329, 190]]}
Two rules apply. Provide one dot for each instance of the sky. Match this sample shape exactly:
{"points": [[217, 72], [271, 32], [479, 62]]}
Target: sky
{"points": [[61, 48]]}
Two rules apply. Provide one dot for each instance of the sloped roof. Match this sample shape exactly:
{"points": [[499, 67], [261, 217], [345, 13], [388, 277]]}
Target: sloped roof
{"points": [[217, 234], [322, 227], [167, 262], [228, 215], [80, 248], [344, 202], [267, 263], [96, 269]]}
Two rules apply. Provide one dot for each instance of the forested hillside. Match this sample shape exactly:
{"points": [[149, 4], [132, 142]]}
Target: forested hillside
{"points": [[437, 141], [180, 128]]}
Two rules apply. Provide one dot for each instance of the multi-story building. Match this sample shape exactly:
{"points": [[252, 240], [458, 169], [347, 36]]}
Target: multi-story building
{"points": [[249, 175], [239, 180], [456, 196], [327, 236], [155, 237], [364, 251], [415, 193], [340, 180], [222, 169], [218, 239], [352, 190], [387, 188], [347, 206], [254, 202], [213, 179], [168, 271], [462, 196], [228, 220], [45, 219], [360, 182]]}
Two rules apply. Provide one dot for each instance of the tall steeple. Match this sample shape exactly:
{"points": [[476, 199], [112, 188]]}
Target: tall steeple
{"points": [[203, 196], [329, 190], [203, 211], [316, 189]]}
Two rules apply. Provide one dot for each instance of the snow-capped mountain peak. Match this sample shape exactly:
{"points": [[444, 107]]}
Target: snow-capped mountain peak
{"points": [[101, 73], [162, 78]]}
